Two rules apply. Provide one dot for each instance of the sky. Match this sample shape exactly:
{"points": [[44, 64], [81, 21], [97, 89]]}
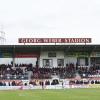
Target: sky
{"points": [[50, 19]]}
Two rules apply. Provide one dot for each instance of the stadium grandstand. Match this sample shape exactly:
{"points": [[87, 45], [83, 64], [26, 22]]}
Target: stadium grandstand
{"points": [[35, 63]]}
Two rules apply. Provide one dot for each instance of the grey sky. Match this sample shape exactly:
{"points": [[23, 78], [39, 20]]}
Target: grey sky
{"points": [[50, 18]]}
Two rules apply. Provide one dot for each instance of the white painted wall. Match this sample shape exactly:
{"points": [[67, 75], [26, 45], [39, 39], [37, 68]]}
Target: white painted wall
{"points": [[26, 61], [44, 55], [82, 61], [5, 60], [18, 60], [70, 60]]}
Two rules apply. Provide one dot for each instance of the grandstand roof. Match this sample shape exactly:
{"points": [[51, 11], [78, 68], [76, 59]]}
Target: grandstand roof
{"points": [[87, 48]]}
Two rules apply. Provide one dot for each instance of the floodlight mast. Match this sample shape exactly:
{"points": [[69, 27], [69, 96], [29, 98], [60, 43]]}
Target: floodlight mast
{"points": [[2, 36]]}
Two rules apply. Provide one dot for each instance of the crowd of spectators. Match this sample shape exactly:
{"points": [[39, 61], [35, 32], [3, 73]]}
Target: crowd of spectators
{"points": [[10, 83], [73, 82], [20, 71], [39, 82], [17, 72], [89, 71], [47, 82], [81, 82]]}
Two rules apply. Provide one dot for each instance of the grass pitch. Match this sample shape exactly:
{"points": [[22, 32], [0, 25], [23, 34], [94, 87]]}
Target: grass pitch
{"points": [[68, 94]]}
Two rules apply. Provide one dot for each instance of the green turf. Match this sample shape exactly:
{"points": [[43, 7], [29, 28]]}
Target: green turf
{"points": [[68, 94]]}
